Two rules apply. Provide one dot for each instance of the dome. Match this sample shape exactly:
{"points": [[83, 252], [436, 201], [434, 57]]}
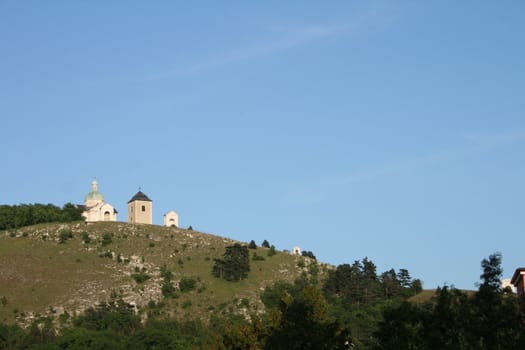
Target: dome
{"points": [[94, 196]]}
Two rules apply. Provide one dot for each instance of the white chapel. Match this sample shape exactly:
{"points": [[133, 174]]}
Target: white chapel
{"points": [[96, 209]]}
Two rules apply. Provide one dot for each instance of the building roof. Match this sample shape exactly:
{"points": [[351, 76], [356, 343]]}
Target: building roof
{"points": [[94, 195], [139, 196], [519, 271]]}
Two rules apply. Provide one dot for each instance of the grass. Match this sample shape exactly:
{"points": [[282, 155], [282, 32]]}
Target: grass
{"points": [[39, 274]]}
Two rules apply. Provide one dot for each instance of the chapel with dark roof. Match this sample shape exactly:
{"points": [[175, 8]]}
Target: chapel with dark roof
{"points": [[140, 209]]}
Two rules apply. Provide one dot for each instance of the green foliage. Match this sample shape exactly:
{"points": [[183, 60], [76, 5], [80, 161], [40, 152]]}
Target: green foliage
{"points": [[13, 337], [3, 301], [304, 323], [187, 284], [265, 244], [140, 277], [85, 238], [272, 251], [235, 264], [256, 257], [272, 294], [106, 254], [117, 316], [252, 245], [64, 235], [107, 239], [168, 291], [31, 214], [491, 319], [308, 254]]}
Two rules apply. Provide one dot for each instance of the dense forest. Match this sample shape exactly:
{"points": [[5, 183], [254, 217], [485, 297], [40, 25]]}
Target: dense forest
{"points": [[16, 216]]}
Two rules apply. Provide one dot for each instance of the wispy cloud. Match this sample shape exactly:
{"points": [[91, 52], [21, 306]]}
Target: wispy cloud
{"points": [[317, 191], [476, 143], [494, 139], [285, 38]]}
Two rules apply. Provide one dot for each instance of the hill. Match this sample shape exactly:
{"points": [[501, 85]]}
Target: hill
{"points": [[60, 270]]}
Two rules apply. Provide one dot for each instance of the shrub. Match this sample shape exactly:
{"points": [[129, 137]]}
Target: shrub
{"points": [[3, 300], [272, 251], [252, 245], [256, 257], [64, 235], [265, 244], [12, 234], [106, 254], [85, 238], [186, 304], [107, 239], [167, 288], [244, 303], [140, 277], [187, 284], [308, 254]]}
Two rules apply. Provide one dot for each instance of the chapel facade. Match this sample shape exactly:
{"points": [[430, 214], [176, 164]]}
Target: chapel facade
{"points": [[171, 219], [96, 208]]}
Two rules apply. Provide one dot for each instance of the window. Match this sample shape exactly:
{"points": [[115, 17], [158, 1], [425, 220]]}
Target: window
{"points": [[143, 208]]}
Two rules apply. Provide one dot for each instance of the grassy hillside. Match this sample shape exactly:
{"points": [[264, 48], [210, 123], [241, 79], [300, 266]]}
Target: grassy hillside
{"points": [[45, 272]]}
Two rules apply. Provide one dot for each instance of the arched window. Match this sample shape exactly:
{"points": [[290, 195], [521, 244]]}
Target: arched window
{"points": [[107, 216]]}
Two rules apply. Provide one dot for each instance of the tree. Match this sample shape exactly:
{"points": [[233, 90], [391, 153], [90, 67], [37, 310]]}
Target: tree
{"points": [[235, 264], [31, 214], [252, 245], [404, 278], [272, 251], [401, 328], [265, 244], [492, 272], [308, 254], [303, 323]]}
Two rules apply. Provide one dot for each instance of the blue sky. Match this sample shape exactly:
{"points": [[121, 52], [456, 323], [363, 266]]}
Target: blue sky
{"points": [[388, 129]]}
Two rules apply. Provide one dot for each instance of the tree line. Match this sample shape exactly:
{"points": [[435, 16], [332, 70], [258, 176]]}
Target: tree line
{"points": [[16, 216], [490, 318]]}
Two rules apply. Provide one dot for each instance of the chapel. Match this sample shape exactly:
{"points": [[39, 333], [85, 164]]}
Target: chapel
{"points": [[140, 209], [171, 219], [96, 208]]}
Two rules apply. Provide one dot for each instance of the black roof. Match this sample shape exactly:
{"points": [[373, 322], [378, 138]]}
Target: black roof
{"points": [[139, 196]]}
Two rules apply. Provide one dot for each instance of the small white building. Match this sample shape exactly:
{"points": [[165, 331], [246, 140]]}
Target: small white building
{"points": [[296, 251], [95, 207], [171, 219]]}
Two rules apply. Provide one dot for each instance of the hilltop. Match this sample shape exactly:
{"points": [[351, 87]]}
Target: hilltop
{"points": [[60, 270]]}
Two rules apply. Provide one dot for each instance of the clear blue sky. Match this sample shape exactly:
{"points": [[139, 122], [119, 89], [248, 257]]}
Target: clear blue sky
{"points": [[388, 129]]}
